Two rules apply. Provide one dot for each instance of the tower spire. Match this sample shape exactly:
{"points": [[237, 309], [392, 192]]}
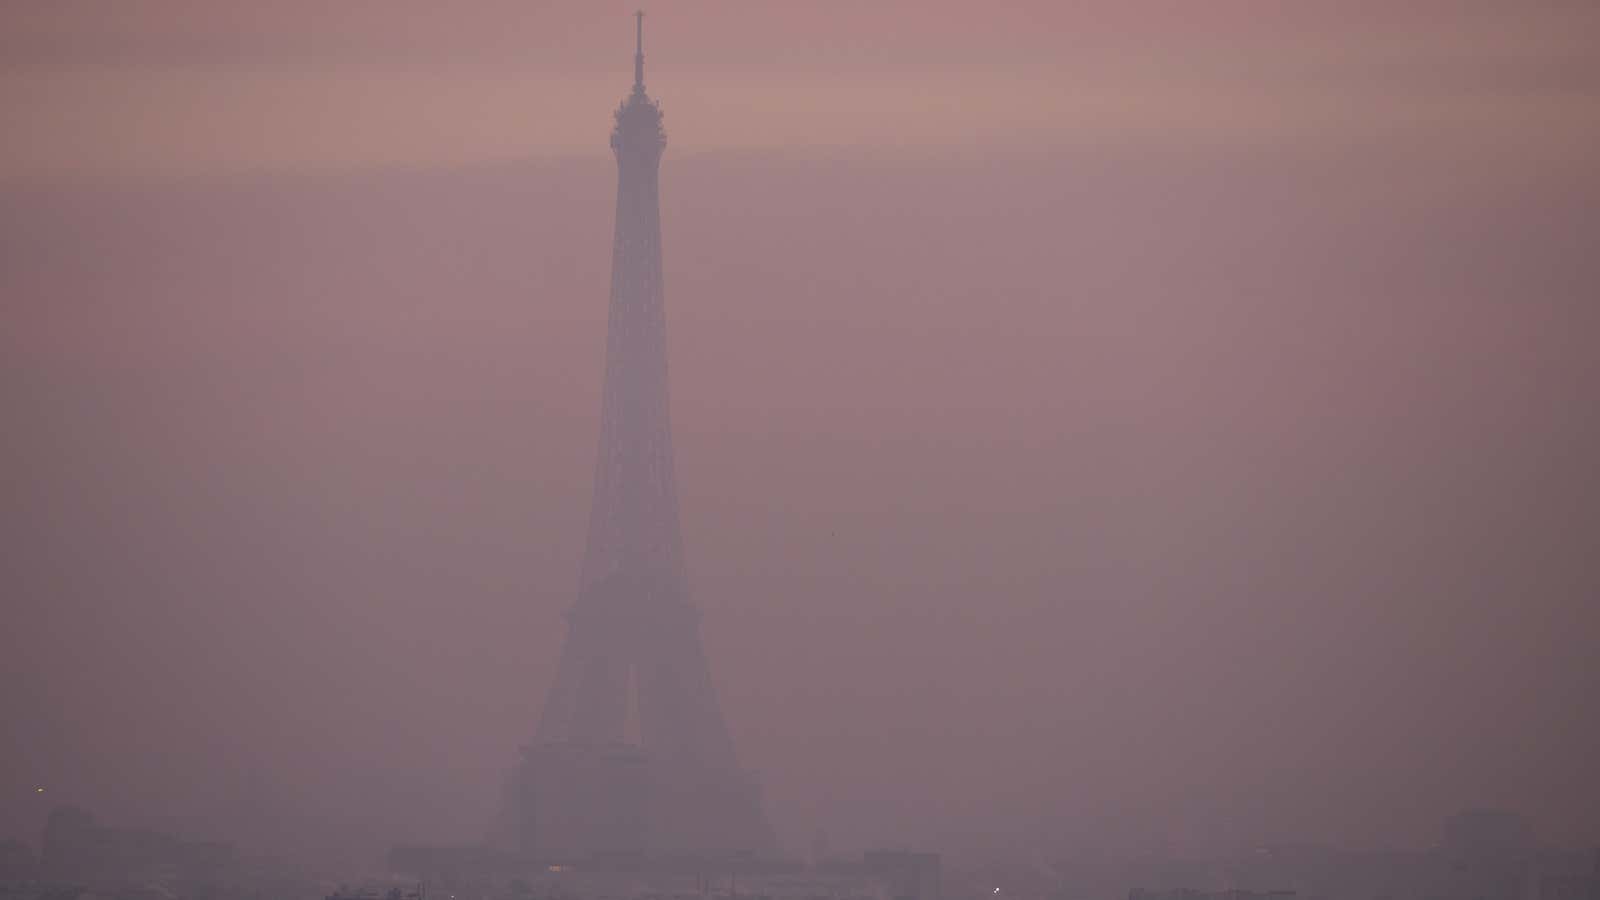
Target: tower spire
{"points": [[638, 54]]}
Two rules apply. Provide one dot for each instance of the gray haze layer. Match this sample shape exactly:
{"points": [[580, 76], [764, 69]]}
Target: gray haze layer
{"points": [[1071, 516]]}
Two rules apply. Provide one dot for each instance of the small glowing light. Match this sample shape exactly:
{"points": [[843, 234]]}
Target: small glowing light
{"points": [[997, 890], [38, 790]]}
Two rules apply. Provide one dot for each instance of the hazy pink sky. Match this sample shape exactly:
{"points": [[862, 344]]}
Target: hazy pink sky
{"points": [[1100, 425], [199, 87]]}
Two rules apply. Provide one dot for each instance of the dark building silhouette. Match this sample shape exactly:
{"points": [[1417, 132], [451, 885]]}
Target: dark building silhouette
{"points": [[376, 893], [587, 786], [1486, 834], [1210, 895], [905, 874], [17, 862], [1483, 854], [1572, 885], [78, 849]]}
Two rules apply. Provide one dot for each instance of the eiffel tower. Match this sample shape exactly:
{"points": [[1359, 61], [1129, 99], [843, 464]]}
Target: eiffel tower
{"points": [[586, 787]]}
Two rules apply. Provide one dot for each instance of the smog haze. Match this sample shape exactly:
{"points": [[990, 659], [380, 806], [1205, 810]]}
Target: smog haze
{"points": [[1099, 425]]}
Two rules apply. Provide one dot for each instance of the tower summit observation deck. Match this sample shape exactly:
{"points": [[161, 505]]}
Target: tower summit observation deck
{"points": [[587, 786]]}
